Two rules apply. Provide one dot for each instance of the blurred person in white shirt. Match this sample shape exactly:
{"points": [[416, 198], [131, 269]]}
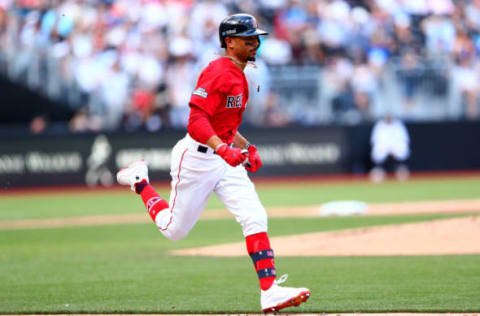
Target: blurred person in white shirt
{"points": [[114, 91], [276, 51], [335, 24], [214, 11], [389, 138], [180, 81], [258, 77], [440, 34], [364, 85], [472, 15]]}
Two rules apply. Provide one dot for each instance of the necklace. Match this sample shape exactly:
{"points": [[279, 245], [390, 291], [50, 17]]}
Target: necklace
{"points": [[236, 61]]}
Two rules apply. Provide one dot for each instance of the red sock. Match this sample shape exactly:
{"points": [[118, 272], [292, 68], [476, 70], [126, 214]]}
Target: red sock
{"points": [[153, 202], [258, 247]]}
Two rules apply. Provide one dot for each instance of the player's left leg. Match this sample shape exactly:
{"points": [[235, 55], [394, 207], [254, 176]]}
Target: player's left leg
{"points": [[194, 176], [136, 176], [238, 194], [188, 197]]}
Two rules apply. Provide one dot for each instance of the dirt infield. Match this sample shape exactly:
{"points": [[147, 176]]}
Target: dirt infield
{"points": [[440, 237], [422, 207]]}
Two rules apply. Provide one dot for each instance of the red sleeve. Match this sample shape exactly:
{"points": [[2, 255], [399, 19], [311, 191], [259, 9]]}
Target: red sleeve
{"points": [[210, 90], [199, 126], [206, 95]]}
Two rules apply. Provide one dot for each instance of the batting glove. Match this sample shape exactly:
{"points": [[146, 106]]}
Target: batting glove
{"points": [[233, 156], [254, 161]]}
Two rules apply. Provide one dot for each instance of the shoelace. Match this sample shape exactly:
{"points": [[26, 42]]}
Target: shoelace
{"points": [[282, 279]]}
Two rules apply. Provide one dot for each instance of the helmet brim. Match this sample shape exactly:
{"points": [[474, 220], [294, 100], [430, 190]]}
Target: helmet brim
{"points": [[252, 32]]}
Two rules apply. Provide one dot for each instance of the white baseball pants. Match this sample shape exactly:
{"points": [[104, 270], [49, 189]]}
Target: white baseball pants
{"points": [[195, 175], [381, 151]]}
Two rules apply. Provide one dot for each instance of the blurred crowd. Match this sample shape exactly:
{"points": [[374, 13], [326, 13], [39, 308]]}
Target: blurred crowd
{"points": [[132, 64]]}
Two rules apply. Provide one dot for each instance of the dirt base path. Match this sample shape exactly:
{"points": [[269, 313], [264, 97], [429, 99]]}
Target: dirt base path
{"points": [[422, 207], [440, 237]]}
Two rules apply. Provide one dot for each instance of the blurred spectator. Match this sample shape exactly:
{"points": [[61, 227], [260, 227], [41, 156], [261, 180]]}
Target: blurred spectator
{"points": [[103, 58], [144, 105], [467, 81], [180, 81], [38, 124], [389, 140], [80, 122], [364, 86], [337, 75], [276, 51], [273, 115], [410, 76], [259, 82], [440, 34], [114, 93], [472, 13]]}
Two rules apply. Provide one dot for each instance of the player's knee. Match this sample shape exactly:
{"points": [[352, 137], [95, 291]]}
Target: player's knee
{"points": [[175, 234], [254, 224]]}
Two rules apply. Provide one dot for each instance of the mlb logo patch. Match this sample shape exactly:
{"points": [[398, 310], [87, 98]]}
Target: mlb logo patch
{"points": [[200, 92]]}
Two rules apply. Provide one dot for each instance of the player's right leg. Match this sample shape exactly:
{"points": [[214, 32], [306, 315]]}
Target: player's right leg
{"points": [[238, 194]]}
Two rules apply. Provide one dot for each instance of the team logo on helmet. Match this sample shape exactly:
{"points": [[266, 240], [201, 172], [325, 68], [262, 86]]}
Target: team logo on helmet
{"points": [[229, 32]]}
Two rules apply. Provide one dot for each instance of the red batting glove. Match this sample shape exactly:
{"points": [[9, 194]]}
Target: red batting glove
{"points": [[233, 156], [254, 161]]}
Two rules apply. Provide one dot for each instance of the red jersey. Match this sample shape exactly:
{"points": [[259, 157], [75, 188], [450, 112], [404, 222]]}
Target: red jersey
{"points": [[222, 92]]}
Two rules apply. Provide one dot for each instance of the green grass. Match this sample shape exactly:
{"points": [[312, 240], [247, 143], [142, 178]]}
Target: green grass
{"points": [[390, 191], [150, 282], [122, 202], [129, 269]]}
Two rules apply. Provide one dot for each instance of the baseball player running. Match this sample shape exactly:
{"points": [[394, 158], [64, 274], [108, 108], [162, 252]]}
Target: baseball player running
{"points": [[215, 157]]}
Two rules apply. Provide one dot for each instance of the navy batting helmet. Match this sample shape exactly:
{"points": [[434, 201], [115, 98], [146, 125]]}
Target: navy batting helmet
{"points": [[239, 25]]}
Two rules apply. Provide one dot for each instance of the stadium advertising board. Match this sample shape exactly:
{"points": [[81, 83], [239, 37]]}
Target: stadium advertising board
{"points": [[93, 159]]}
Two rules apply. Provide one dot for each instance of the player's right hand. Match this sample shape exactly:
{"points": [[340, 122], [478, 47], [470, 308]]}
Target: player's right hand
{"points": [[233, 156]]}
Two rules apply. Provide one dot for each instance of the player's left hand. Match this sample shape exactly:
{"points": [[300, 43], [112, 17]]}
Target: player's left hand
{"points": [[254, 161]]}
